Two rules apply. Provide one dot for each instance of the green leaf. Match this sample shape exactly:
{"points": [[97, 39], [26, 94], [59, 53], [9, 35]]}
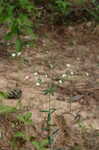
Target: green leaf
{"points": [[20, 118], [79, 2], [44, 142], [29, 31], [45, 129], [14, 26], [7, 109], [25, 118], [50, 140], [49, 117], [1, 11], [3, 94], [24, 20], [23, 2], [28, 122], [40, 145], [8, 36], [26, 4], [37, 145], [44, 110], [10, 11], [28, 115], [18, 45], [19, 134], [33, 36], [50, 90], [51, 110]]}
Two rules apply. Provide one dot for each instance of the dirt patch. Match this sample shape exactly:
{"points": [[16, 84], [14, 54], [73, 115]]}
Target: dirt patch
{"points": [[68, 59]]}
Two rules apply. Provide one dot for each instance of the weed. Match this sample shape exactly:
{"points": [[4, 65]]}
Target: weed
{"points": [[40, 145], [94, 12], [26, 118], [50, 90], [3, 95], [16, 16], [7, 109], [63, 7]]}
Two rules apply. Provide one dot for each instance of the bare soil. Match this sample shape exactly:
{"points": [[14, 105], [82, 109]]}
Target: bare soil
{"points": [[67, 58]]}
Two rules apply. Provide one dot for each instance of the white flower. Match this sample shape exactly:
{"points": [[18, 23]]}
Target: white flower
{"points": [[87, 74], [13, 54], [37, 83], [60, 81], [63, 75], [68, 65], [19, 53], [27, 77], [35, 73], [72, 73], [8, 43], [46, 76]]}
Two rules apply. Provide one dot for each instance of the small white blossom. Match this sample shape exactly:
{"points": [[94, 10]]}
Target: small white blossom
{"points": [[72, 73], [19, 53], [8, 43], [27, 37], [35, 73], [87, 74], [38, 84], [27, 77], [63, 75], [89, 24], [13, 54], [46, 76], [60, 81], [68, 65]]}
